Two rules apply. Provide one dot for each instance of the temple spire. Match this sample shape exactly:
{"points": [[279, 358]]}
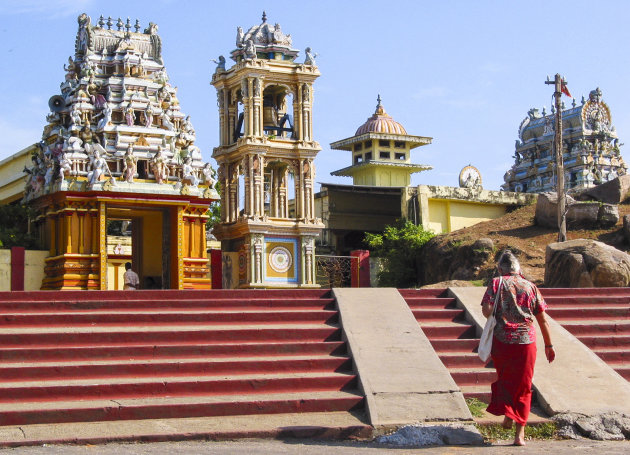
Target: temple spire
{"points": [[264, 17]]}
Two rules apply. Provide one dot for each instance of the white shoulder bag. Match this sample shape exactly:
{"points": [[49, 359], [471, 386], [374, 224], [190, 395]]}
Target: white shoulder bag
{"points": [[485, 343]]}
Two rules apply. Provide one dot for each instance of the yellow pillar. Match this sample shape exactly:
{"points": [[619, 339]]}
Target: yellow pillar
{"points": [[102, 244]]}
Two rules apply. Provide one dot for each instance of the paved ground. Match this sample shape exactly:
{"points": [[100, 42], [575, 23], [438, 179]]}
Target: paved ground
{"points": [[256, 446]]}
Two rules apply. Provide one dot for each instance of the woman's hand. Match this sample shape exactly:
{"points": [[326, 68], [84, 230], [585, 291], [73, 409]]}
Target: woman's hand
{"points": [[550, 353]]}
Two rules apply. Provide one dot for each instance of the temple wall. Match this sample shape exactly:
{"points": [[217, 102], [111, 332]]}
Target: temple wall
{"points": [[33, 269]]}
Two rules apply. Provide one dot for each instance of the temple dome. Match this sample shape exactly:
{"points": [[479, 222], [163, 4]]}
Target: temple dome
{"points": [[380, 122]]}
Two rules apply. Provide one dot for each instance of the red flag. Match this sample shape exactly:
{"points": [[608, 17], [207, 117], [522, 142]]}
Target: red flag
{"points": [[564, 89]]}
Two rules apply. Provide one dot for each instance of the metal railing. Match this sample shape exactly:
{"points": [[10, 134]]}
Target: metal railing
{"points": [[335, 271]]}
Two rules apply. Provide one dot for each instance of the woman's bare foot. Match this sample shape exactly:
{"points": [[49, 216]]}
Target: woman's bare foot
{"points": [[519, 435], [507, 423]]}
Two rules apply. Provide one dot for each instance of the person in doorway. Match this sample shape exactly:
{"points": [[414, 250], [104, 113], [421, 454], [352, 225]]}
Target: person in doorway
{"points": [[514, 342], [132, 281]]}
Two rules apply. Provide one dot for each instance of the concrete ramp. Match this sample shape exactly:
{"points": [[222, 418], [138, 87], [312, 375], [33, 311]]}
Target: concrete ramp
{"points": [[402, 377], [577, 381]]}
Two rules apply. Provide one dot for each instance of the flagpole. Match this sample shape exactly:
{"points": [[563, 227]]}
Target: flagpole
{"points": [[562, 216]]}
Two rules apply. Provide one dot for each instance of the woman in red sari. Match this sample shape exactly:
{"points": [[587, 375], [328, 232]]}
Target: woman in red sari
{"points": [[514, 342]]}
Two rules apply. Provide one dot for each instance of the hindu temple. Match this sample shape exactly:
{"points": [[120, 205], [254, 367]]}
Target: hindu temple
{"points": [[591, 149], [118, 156]]}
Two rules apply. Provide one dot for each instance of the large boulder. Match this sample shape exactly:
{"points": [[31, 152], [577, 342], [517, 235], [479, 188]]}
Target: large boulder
{"points": [[579, 214], [613, 192], [585, 263]]}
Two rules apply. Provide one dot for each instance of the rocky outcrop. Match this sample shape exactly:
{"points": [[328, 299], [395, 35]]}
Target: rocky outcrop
{"points": [[614, 192], [626, 228], [611, 426], [450, 261], [579, 214], [585, 263]]}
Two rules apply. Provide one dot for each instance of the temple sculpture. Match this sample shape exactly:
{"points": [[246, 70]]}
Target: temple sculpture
{"points": [[266, 161], [117, 146], [591, 149]]}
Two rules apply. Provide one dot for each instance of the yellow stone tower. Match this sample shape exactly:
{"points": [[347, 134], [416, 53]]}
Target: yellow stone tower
{"points": [[381, 150], [265, 159]]}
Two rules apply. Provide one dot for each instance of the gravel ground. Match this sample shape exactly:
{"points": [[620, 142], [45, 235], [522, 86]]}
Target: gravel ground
{"points": [[310, 447]]}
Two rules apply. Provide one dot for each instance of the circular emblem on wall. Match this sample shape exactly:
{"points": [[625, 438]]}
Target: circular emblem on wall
{"points": [[280, 259], [470, 177]]}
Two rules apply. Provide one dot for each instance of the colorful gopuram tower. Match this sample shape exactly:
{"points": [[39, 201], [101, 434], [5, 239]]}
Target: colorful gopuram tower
{"points": [[118, 148], [265, 160]]}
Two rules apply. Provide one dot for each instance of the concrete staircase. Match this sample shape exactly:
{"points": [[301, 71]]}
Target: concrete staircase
{"points": [[453, 338], [104, 356], [599, 318]]}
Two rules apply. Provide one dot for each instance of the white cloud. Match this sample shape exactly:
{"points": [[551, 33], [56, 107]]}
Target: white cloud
{"points": [[50, 8], [16, 137]]}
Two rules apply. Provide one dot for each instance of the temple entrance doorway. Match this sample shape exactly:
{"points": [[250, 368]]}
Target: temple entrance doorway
{"points": [[139, 236]]}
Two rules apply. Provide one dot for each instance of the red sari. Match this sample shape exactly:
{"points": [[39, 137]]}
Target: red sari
{"points": [[512, 391]]}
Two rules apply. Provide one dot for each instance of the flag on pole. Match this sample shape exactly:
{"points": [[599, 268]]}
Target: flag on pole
{"points": [[564, 88]]}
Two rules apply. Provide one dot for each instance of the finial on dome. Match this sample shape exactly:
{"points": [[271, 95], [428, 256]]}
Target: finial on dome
{"points": [[264, 17], [379, 106]]}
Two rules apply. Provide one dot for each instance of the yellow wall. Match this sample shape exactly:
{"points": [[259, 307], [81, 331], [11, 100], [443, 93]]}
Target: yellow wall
{"points": [[447, 216], [12, 176], [152, 243], [33, 269], [385, 176]]}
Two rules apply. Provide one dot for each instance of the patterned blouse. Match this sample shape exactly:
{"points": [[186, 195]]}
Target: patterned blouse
{"points": [[520, 301]]}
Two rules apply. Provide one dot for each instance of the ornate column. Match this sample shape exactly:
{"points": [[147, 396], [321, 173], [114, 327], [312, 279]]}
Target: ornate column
{"points": [[297, 113], [52, 220], [257, 262], [308, 260], [102, 244]]}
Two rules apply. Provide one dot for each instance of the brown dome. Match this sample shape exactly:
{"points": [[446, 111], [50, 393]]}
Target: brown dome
{"points": [[380, 122]]}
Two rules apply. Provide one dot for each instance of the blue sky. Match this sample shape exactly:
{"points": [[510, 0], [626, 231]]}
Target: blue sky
{"points": [[462, 72]]}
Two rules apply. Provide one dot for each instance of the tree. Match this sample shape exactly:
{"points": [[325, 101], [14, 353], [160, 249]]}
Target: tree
{"points": [[14, 231], [215, 210], [399, 245]]}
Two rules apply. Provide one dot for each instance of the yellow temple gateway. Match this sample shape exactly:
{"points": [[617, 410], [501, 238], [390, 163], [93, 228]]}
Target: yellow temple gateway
{"points": [[118, 156]]}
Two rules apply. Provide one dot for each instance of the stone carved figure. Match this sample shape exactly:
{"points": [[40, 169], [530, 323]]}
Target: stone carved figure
{"points": [[84, 37], [209, 175], [130, 114], [309, 57], [71, 70], [159, 167], [75, 116], [131, 165], [99, 168], [65, 166], [220, 63], [49, 166], [107, 117], [239, 36], [188, 172], [166, 120], [188, 131], [156, 42], [279, 37], [250, 49], [256, 87], [148, 116]]}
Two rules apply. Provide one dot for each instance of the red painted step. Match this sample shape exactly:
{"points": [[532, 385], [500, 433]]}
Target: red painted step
{"points": [[81, 356], [599, 318], [453, 338], [79, 319], [81, 411], [170, 351]]}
